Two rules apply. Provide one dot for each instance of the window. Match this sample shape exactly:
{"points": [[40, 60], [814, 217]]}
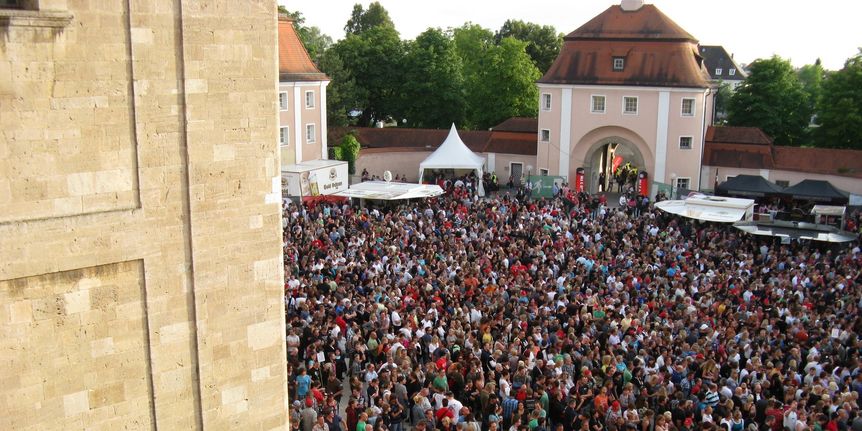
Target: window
{"points": [[282, 101], [731, 72], [782, 183], [310, 135], [284, 135], [687, 107], [546, 135], [683, 183], [546, 102], [10, 4], [619, 63], [598, 105], [718, 71], [544, 172], [309, 99], [630, 105], [685, 142]]}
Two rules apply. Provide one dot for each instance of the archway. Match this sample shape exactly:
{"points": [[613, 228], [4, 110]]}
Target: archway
{"points": [[606, 156]]}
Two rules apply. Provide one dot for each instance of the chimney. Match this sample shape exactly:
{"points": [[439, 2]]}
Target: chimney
{"points": [[631, 5]]}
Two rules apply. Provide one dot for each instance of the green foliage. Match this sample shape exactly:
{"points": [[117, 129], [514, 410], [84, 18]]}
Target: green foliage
{"points": [[499, 79], [543, 41], [811, 76], [722, 99], [348, 151], [772, 98], [314, 41], [342, 93], [362, 20], [432, 93], [840, 108]]}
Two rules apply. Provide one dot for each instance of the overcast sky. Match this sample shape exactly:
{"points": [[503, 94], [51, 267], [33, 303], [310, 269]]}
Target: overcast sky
{"points": [[751, 29]]}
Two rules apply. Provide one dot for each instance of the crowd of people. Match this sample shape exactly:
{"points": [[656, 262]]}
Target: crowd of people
{"points": [[466, 314]]}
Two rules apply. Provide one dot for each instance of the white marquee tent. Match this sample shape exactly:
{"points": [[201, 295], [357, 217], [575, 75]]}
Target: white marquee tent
{"points": [[454, 154]]}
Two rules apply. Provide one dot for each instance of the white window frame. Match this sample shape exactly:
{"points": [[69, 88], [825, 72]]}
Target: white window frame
{"points": [[688, 182], [637, 103], [787, 182], [718, 71], [307, 99], [731, 71], [313, 128], [283, 101], [546, 101], [604, 103], [682, 107], [544, 172], [542, 134], [284, 135], [622, 63], [690, 142]]}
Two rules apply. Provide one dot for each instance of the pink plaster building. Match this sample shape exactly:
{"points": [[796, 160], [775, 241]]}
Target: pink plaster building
{"points": [[301, 100], [628, 84]]}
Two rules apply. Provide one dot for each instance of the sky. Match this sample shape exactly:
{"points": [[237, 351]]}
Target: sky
{"points": [[750, 29]]}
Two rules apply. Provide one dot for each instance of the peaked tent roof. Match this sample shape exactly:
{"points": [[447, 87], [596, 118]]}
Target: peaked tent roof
{"points": [[294, 64], [453, 154], [748, 185], [817, 190]]}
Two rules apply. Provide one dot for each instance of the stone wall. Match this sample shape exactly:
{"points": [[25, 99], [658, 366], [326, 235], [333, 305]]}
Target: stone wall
{"points": [[140, 257]]}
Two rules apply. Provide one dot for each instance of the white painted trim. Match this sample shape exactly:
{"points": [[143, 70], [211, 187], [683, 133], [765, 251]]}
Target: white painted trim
{"points": [[676, 182], [297, 121], [637, 105], [630, 88], [549, 135], [590, 108], [314, 135], [542, 102], [305, 100], [661, 136], [286, 102], [324, 149], [492, 162], [287, 136], [513, 164], [764, 173], [690, 144], [565, 131], [301, 84], [693, 107]]}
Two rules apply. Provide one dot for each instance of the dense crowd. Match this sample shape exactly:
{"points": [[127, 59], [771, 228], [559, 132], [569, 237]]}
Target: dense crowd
{"points": [[496, 314]]}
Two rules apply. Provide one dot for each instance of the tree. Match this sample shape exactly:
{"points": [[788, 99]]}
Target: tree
{"points": [[362, 20], [811, 76], [722, 99], [499, 79], [348, 151], [772, 98], [342, 93], [543, 41], [314, 41], [840, 109], [432, 93]]}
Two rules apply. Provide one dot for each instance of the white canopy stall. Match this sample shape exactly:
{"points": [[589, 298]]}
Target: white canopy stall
{"points": [[710, 208], [388, 191], [454, 154]]}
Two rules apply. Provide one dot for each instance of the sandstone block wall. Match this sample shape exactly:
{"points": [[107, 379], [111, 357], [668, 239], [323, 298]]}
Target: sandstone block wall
{"points": [[140, 257]]}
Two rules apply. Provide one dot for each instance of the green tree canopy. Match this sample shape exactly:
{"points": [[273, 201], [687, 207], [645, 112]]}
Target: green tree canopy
{"points": [[343, 94], [543, 41], [811, 76], [772, 98], [362, 20], [839, 112], [314, 41], [432, 93]]}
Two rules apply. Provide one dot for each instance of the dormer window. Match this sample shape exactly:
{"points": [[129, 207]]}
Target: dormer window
{"points": [[718, 71], [731, 72], [619, 63]]}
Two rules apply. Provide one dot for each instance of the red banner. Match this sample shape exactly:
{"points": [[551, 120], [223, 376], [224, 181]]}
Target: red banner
{"points": [[579, 180], [643, 184]]}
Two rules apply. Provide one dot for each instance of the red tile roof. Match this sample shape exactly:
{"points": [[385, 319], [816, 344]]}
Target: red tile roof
{"points": [[750, 148], [518, 124], [657, 52], [398, 139], [294, 64]]}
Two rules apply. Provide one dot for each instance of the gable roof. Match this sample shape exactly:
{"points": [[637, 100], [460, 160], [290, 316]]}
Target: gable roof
{"points": [[656, 51], [823, 190], [750, 148], [716, 57], [294, 64], [647, 22], [518, 124], [749, 185]]}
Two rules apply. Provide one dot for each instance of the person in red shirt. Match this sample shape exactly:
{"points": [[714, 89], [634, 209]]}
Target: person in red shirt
{"points": [[444, 412]]}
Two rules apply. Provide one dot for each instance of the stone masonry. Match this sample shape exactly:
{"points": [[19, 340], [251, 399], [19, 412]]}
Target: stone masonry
{"points": [[140, 247]]}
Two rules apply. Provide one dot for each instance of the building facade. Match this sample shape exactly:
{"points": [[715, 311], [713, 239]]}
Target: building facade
{"points": [[141, 271], [627, 87], [301, 100]]}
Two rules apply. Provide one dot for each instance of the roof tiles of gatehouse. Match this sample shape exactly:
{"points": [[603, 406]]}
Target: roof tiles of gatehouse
{"points": [[294, 64], [656, 52]]}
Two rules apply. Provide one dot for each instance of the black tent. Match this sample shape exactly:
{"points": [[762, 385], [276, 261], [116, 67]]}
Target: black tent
{"points": [[748, 185], [817, 190]]}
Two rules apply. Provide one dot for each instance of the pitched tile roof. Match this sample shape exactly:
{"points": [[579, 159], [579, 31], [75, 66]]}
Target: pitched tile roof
{"points": [[750, 148], [294, 64], [518, 124], [656, 51], [716, 57], [391, 139]]}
